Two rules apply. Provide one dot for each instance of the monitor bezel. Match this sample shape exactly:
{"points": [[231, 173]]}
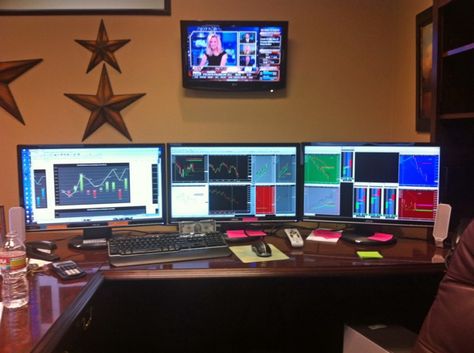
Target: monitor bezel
{"points": [[86, 226], [243, 86], [228, 220], [364, 221]]}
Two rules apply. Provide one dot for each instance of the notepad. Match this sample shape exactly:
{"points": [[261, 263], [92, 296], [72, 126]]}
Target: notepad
{"points": [[369, 255], [246, 255]]}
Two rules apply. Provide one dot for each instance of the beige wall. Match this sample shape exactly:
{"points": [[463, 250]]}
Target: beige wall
{"points": [[351, 76]]}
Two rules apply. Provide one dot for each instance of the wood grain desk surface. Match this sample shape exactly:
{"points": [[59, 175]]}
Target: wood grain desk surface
{"points": [[50, 298]]}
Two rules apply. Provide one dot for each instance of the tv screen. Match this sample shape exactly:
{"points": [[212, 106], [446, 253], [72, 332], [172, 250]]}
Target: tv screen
{"points": [[234, 55], [371, 183], [232, 182], [88, 186]]}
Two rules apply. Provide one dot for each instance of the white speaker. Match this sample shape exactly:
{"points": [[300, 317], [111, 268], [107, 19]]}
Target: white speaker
{"points": [[16, 220], [441, 225]]}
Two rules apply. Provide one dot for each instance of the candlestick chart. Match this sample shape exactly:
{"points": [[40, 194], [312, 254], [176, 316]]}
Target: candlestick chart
{"points": [[92, 184], [188, 169]]}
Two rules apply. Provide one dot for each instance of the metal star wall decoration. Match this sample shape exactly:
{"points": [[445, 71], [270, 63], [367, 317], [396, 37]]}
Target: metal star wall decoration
{"points": [[105, 107], [9, 71], [102, 48]]}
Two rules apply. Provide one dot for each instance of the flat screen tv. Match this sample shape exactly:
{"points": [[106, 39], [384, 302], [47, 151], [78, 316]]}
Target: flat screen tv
{"points": [[93, 188], [241, 182], [234, 55], [362, 184]]}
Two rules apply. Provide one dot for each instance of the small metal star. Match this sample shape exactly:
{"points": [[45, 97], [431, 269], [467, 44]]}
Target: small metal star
{"points": [[102, 48], [105, 107], [9, 71]]}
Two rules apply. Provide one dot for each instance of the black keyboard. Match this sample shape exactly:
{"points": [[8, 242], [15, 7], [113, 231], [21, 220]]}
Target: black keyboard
{"points": [[158, 248]]}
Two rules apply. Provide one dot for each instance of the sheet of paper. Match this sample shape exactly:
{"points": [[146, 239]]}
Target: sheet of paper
{"points": [[38, 262], [246, 255], [324, 235], [369, 255]]}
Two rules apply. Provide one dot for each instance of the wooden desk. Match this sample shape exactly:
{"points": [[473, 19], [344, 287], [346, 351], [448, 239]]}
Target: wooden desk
{"points": [[315, 281]]}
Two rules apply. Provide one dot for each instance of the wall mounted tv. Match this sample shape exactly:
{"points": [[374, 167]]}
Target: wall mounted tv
{"points": [[234, 55]]}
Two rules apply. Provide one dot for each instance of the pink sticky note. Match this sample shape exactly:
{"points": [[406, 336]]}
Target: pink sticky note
{"points": [[328, 234], [255, 233], [381, 237], [240, 233], [236, 234]]}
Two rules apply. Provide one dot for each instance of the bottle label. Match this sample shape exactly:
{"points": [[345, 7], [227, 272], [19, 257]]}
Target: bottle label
{"points": [[12, 260]]}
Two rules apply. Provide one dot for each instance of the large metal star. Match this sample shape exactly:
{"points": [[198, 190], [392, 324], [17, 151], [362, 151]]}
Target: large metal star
{"points": [[105, 107], [102, 48], [9, 71]]}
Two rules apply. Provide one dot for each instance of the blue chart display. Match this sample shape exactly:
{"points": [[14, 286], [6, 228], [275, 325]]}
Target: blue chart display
{"points": [[375, 202], [92, 184], [360, 204], [322, 200], [263, 170], [419, 170], [285, 195], [40, 188], [390, 204], [347, 166], [286, 169]]}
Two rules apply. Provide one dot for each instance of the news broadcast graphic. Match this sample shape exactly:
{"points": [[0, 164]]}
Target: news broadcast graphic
{"points": [[234, 55]]}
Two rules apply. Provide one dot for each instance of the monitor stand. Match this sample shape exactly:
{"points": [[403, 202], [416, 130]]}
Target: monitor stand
{"points": [[92, 239], [361, 236]]}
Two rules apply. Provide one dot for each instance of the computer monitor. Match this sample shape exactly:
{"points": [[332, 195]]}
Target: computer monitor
{"points": [[364, 184], [91, 187], [234, 55], [234, 182]]}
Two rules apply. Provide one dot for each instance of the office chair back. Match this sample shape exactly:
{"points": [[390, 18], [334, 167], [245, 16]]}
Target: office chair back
{"points": [[449, 325]]}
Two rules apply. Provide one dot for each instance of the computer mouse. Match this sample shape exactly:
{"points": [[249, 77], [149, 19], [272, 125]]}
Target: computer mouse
{"points": [[262, 249]]}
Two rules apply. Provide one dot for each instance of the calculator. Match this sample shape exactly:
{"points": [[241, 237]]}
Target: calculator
{"points": [[67, 269]]}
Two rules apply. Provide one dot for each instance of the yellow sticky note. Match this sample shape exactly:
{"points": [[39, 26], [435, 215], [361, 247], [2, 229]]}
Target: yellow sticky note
{"points": [[369, 255]]}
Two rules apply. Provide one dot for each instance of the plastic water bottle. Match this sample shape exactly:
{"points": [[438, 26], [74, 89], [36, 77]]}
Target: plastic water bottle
{"points": [[13, 271]]}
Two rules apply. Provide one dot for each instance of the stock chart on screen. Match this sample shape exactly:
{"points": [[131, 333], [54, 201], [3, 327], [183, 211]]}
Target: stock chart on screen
{"points": [[392, 183], [81, 185], [232, 181]]}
